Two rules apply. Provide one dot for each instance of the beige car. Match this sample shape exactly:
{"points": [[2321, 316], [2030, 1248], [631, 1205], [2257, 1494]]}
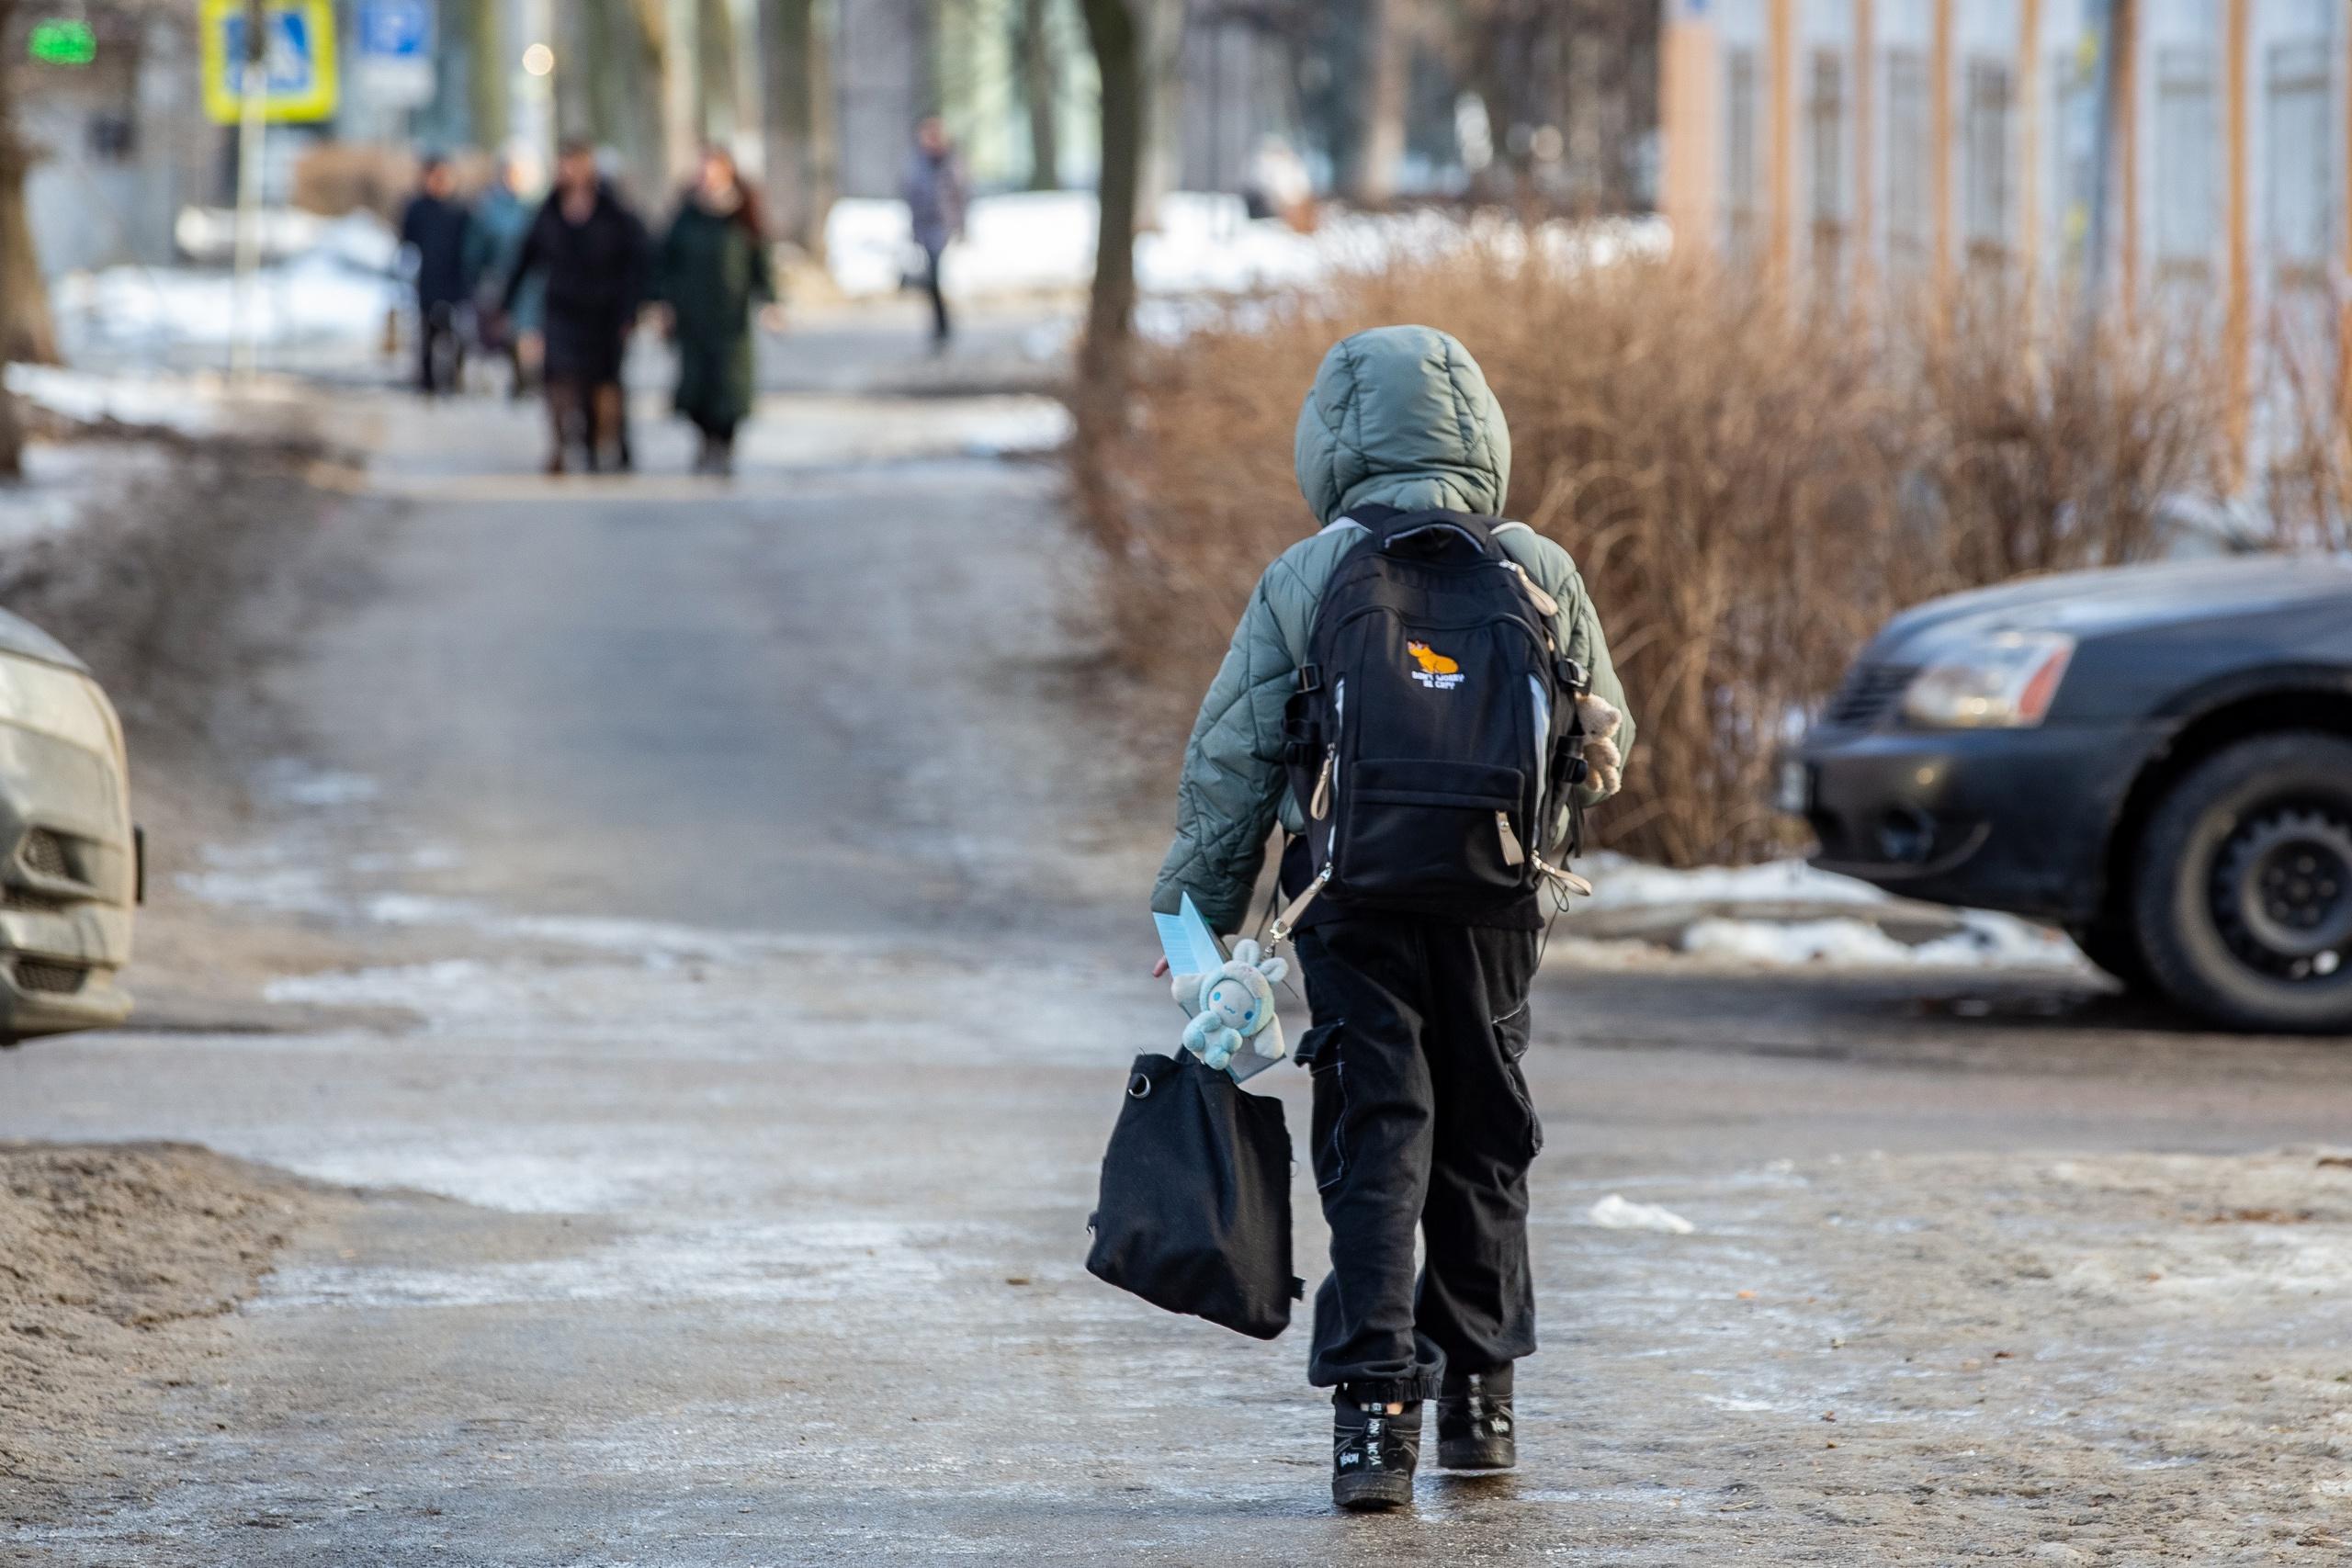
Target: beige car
{"points": [[72, 870]]}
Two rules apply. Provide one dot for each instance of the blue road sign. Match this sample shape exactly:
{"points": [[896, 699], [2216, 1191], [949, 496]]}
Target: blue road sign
{"points": [[396, 29]]}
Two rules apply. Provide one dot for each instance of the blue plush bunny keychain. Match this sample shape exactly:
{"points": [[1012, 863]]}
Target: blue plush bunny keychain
{"points": [[1229, 1000], [1236, 1008]]}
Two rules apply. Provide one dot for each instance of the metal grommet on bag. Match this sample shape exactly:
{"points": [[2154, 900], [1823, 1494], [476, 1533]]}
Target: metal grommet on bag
{"points": [[1139, 1087]]}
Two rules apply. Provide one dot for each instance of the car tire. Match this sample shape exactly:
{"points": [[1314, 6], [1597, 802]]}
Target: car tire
{"points": [[2243, 892], [2111, 944]]}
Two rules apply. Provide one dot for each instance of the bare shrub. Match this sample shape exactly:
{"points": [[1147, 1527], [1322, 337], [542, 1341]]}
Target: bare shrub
{"points": [[1749, 489], [2308, 476]]}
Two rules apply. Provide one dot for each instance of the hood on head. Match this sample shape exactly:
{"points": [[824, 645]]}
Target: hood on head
{"points": [[1402, 416]]}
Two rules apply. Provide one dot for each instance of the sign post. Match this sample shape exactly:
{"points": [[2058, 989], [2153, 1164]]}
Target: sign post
{"points": [[254, 84], [263, 61]]}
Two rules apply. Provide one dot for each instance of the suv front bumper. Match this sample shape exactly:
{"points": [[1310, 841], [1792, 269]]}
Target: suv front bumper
{"points": [[2014, 819]]}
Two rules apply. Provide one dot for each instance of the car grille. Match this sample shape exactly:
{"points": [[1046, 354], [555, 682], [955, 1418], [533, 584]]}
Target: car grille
{"points": [[1870, 694], [44, 852], [41, 974]]}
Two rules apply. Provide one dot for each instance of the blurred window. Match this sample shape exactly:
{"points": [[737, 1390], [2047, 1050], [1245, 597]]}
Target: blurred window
{"points": [[2188, 137], [1986, 135], [2299, 172], [1741, 154], [113, 137], [1910, 183]]}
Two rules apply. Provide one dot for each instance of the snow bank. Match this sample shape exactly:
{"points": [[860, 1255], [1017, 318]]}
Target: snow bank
{"points": [[337, 291], [1799, 930], [188, 404], [1985, 941], [1621, 884], [1205, 243]]}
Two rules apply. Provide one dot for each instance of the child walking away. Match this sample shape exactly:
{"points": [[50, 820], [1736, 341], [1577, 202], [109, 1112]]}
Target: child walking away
{"points": [[1421, 694]]}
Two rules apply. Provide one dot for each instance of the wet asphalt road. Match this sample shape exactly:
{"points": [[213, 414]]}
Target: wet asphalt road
{"points": [[742, 949]]}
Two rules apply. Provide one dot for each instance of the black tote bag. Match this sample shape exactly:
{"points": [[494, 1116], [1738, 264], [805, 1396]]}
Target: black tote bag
{"points": [[1195, 1215]]}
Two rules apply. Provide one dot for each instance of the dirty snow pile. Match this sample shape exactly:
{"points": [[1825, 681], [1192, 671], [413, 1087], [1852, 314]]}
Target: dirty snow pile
{"points": [[199, 403], [336, 290], [1771, 915], [105, 1244]]}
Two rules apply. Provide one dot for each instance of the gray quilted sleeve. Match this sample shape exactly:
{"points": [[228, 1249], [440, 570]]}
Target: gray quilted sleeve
{"points": [[1232, 782]]}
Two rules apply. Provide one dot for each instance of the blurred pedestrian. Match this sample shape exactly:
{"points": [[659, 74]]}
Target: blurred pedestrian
{"points": [[592, 249], [712, 274], [502, 221], [433, 234], [936, 196], [1279, 186]]}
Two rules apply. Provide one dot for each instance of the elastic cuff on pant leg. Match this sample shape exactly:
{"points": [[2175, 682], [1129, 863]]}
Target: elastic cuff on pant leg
{"points": [[1386, 1391]]}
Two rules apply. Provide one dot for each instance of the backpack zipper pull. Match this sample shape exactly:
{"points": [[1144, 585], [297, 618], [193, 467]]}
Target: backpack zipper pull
{"points": [[1543, 601], [1321, 800], [1512, 854], [1565, 877]]}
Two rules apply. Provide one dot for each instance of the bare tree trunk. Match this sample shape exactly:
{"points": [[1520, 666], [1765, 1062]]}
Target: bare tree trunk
{"points": [[26, 330], [486, 69], [675, 51], [1040, 87], [577, 52], [12, 436], [715, 62], [1104, 355], [1371, 179], [624, 88], [1158, 27], [794, 87]]}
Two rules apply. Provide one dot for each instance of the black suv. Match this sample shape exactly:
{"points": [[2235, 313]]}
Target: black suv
{"points": [[2158, 758]]}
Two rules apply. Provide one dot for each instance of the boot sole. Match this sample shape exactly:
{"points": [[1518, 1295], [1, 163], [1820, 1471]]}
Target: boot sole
{"points": [[1373, 1493], [1470, 1453]]}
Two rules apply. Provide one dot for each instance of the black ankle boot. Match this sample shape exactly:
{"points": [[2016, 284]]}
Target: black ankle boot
{"points": [[1475, 1429], [1372, 1454]]}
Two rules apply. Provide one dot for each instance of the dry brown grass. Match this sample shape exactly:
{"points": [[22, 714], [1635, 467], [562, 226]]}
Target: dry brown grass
{"points": [[1750, 489]]}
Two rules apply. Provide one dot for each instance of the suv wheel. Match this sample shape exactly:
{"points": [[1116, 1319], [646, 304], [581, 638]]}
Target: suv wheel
{"points": [[2244, 892]]}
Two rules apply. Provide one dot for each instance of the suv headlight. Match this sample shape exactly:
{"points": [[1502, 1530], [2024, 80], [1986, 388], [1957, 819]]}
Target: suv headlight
{"points": [[2002, 682]]}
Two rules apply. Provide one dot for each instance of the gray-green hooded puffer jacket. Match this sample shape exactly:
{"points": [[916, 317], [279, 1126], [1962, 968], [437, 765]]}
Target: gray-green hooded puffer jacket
{"points": [[1399, 416]]}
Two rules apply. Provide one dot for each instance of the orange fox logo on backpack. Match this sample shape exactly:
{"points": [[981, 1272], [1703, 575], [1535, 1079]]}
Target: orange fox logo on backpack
{"points": [[1436, 670]]}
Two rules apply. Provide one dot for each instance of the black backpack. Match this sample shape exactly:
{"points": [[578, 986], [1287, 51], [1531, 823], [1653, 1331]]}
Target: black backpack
{"points": [[1433, 741]]}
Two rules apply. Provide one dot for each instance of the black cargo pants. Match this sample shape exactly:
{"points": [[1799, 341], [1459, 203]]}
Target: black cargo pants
{"points": [[1421, 1121]]}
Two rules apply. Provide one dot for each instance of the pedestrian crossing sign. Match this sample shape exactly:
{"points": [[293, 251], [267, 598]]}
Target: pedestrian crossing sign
{"points": [[297, 59]]}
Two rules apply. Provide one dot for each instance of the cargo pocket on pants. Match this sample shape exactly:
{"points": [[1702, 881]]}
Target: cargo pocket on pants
{"points": [[1321, 1049], [1512, 1037]]}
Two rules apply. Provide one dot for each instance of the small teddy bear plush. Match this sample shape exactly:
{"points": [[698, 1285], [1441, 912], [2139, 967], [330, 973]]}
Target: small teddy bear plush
{"points": [[1235, 1004], [1601, 722]]}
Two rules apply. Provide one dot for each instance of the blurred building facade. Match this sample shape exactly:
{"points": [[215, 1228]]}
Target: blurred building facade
{"points": [[119, 144], [1879, 145]]}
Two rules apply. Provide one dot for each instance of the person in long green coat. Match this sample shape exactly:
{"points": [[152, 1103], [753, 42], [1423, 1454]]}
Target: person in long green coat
{"points": [[713, 273]]}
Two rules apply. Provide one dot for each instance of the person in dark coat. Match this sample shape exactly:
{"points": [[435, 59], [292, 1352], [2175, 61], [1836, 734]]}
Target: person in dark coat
{"points": [[591, 250], [434, 229], [936, 196], [713, 273]]}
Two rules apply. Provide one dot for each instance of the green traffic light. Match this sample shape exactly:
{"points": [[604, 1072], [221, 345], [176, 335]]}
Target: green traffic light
{"points": [[63, 41]]}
